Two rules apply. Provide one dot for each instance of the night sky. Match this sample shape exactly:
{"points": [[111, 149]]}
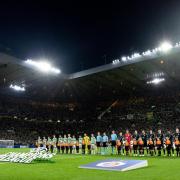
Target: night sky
{"points": [[78, 35]]}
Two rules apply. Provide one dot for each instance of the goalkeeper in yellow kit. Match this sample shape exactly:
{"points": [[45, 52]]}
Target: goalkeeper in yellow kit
{"points": [[86, 142]]}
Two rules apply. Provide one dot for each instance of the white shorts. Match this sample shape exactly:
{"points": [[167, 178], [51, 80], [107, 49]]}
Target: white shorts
{"points": [[93, 146]]}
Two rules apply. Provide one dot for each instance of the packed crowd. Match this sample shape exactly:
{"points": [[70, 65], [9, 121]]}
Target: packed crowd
{"points": [[126, 144], [24, 120]]}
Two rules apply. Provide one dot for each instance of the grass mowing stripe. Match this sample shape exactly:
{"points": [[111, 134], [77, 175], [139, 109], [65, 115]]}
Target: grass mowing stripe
{"points": [[65, 167]]}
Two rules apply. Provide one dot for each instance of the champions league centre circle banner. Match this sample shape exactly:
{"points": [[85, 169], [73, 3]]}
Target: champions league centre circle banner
{"points": [[116, 165]]}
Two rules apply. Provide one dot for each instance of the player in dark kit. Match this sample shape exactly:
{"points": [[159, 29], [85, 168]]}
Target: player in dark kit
{"points": [[159, 145], [168, 146], [144, 139], [150, 144], [141, 147], [152, 136], [177, 134], [127, 147], [135, 146], [135, 135], [119, 142], [171, 138], [177, 145], [160, 136]]}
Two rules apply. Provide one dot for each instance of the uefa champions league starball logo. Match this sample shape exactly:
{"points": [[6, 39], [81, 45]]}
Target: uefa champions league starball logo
{"points": [[116, 164], [110, 164]]}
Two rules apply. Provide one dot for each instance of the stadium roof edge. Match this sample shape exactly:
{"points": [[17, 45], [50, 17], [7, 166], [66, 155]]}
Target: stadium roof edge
{"points": [[111, 66], [6, 58]]}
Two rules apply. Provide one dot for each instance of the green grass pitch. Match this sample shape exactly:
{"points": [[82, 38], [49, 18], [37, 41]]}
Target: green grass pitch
{"points": [[65, 167]]}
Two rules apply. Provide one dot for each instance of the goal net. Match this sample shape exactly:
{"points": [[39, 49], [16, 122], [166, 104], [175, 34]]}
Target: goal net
{"points": [[6, 143]]}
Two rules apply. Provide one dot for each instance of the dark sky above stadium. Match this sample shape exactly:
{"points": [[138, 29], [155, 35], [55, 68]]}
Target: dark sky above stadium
{"points": [[82, 34]]}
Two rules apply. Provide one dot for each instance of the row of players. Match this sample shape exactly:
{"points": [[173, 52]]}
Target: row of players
{"points": [[128, 143]]}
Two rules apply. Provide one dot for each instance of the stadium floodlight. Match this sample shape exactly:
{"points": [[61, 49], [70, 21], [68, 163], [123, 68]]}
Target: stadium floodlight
{"points": [[17, 88], [136, 55], [147, 53], [43, 66], [124, 59], [177, 44], [156, 81], [165, 46], [115, 61], [157, 74]]}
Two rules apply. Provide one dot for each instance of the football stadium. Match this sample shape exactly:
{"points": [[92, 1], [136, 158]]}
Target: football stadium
{"points": [[117, 120]]}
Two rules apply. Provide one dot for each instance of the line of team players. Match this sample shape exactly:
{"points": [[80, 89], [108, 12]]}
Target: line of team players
{"points": [[136, 143]]}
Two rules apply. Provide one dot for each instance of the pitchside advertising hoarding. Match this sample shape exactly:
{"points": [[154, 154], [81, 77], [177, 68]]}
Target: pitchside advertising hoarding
{"points": [[116, 165]]}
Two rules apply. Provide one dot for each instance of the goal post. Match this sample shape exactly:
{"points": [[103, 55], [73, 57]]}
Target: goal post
{"points": [[6, 143]]}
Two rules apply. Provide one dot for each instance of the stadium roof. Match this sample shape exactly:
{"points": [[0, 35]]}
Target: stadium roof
{"points": [[110, 81]]}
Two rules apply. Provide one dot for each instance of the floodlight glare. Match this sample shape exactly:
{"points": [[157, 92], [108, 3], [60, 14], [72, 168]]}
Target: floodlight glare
{"points": [[43, 66], [124, 58], [156, 81], [166, 46], [17, 88]]}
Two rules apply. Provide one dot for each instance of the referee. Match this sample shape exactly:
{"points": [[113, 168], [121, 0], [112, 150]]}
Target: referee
{"points": [[105, 143], [113, 141], [98, 142]]}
